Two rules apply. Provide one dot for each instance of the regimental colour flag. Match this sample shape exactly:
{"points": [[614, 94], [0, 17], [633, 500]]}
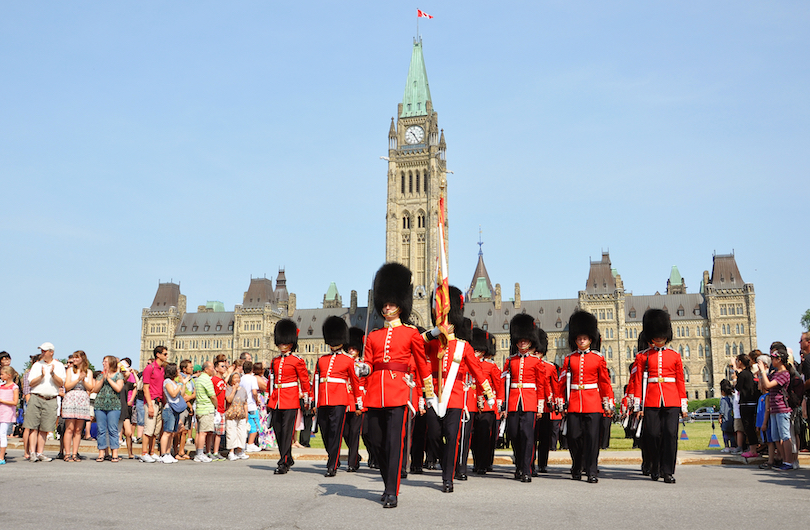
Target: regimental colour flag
{"points": [[442, 299], [422, 14]]}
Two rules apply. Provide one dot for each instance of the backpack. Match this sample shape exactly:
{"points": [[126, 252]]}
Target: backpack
{"points": [[794, 393]]}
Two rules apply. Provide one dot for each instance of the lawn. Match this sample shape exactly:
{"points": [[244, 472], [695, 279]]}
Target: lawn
{"points": [[699, 433]]}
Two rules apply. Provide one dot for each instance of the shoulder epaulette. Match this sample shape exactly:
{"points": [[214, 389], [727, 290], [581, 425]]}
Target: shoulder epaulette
{"points": [[410, 326]]}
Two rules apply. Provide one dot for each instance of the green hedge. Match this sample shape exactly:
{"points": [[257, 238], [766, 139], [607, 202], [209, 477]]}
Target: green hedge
{"points": [[695, 404]]}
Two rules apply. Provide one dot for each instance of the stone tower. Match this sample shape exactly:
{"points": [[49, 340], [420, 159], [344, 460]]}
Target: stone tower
{"points": [[417, 179]]}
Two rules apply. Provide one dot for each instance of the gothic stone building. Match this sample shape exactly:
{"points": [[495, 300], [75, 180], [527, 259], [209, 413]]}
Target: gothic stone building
{"points": [[710, 326]]}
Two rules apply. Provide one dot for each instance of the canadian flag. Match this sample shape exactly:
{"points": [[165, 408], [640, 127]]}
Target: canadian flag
{"points": [[422, 14]]}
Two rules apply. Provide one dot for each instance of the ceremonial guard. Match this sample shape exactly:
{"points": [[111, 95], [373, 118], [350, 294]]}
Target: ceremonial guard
{"points": [[336, 389], [484, 433], [456, 360], [289, 381], [634, 390], [523, 392], [470, 407], [353, 425], [663, 395], [389, 351], [588, 394], [542, 427]]}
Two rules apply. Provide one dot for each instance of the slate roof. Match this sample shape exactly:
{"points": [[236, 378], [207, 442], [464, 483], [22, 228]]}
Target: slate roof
{"points": [[310, 321], [551, 315], [167, 295], [600, 277], [259, 293], [223, 319], [725, 274], [672, 302]]}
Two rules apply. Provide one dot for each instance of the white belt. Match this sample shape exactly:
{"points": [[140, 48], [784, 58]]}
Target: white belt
{"points": [[286, 385], [589, 386], [522, 385], [333, 380], [663, 379]]}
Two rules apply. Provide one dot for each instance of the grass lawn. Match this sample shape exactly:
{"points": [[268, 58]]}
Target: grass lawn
{"points": [[699, 433]]}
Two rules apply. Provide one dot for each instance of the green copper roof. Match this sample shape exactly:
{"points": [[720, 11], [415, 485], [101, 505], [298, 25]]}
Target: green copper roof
{"points": [[481, 289], [417, 89], [332, 292], [215, 305], [675, 276]]}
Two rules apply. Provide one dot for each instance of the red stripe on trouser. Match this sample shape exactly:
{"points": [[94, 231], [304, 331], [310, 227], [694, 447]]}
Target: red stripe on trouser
{"points": [[458, 442], [402, 444]]}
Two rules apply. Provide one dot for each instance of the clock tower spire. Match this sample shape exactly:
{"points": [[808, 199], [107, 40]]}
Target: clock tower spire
{"points": [[416, 181]]}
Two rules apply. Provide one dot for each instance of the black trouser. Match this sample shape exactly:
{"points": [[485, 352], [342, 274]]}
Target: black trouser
{"points": [[386, 427], [433, 436], [352, 426], [284, 428], [542, 440], [465, 438], [555, 434], [483, 439], [451, 431], [330, 422], [748, 415], [604, 432], [661, 433], [520, 428], [306, 432], [418, 439], [372, 456], [583, 441]]}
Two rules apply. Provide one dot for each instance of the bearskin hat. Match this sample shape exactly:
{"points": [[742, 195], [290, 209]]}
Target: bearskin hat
{"points": [[583, 323], [656, 325], [522, 327], [456, 314], [335, 331], [286, 332], [482, 341], [643, 343], [356, 336], [392, 285], [464, 332], [542, 341]]}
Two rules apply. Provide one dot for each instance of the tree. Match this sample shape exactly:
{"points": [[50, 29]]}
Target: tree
{"points": [[806, 320]]}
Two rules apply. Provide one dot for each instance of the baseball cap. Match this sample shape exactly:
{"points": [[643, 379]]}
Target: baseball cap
{"points": [[196, 368], [46, 346]]}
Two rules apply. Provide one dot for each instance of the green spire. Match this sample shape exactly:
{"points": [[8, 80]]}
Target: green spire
{"points": [[417, 89], [332, 292], [675, 276]]}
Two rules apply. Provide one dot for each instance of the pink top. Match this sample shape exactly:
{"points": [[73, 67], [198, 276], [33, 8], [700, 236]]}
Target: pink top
{"points": [[7, 411]]}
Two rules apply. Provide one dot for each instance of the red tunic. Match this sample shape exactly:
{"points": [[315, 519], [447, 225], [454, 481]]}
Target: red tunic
{"points": [[591, 390], [290, 377], [492, 374], [468, 365], [528, 383], [388, 351], [665, 382], [337, 381]]}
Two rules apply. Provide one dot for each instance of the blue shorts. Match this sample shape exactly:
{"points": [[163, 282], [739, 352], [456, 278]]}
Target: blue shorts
{"points": [[171, 419], [780, 426], [253, 422], [140, 415]]}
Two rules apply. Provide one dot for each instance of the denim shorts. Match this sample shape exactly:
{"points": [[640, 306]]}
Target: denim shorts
{"points": [[140, 414], [171, 419], [780, 426]]}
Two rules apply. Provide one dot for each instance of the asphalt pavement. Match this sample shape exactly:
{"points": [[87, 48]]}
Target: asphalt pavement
{"points": [[246, 494]]}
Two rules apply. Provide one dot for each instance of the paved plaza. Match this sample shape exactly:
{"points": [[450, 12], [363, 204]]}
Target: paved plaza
{"points": [[245, 494]]}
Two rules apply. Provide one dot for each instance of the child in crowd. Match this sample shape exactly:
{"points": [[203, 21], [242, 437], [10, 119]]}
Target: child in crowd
{"points": [[236, 417], [726, 416], [9, 397], [763, 421], [175, 404]]}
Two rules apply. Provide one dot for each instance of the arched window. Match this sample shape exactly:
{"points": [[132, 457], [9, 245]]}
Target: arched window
{"points": [[741, 348], [629, 354], [612, 376], [728, 349], [417, 182], [610, 352], [700, 351], [410, 183], [685, 374], [686, 352], [729, 372], [734, 350], [403, 184], [680, 350], [705, 374]]}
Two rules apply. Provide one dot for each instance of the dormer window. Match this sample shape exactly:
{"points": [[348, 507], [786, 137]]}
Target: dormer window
{"points": [[207, 327], [194, 328]]}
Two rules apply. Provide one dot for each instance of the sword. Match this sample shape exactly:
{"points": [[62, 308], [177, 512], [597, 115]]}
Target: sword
{"points": [[564, 429], [507, 391], [465, 417], [643, 399]]}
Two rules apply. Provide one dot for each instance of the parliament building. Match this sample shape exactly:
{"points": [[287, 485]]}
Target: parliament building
{"points": [[710, 326]]}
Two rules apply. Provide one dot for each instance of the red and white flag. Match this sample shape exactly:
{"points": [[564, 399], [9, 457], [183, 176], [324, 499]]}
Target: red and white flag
{"points": [[422, 14]]}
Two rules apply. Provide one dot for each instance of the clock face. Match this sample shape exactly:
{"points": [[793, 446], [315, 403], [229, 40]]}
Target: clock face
{"points": [[414, 134]]}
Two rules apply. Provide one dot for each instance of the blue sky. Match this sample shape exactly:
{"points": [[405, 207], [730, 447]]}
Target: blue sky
{"points": [[206, 142]]}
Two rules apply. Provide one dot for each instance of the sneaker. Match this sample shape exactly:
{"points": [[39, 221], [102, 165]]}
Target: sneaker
{"points": [[750, 454], [201, 458], [736, 450], [33, 458], [216, 457], [2, 462], [147, 458], [168, 459], [232, 456], [155, 457], [766, 465], [243, 455], [725, 450], [43, 458], [784, 467], [795, 464]]}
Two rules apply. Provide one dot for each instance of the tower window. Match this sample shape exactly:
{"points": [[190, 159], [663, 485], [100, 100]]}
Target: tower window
{"points": [[403, 184], [417, 182], [410, 183]]}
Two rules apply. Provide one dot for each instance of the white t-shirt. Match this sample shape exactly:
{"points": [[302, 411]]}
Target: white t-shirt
{"points": [[735, 404], [46, 387], [250, 383]]}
